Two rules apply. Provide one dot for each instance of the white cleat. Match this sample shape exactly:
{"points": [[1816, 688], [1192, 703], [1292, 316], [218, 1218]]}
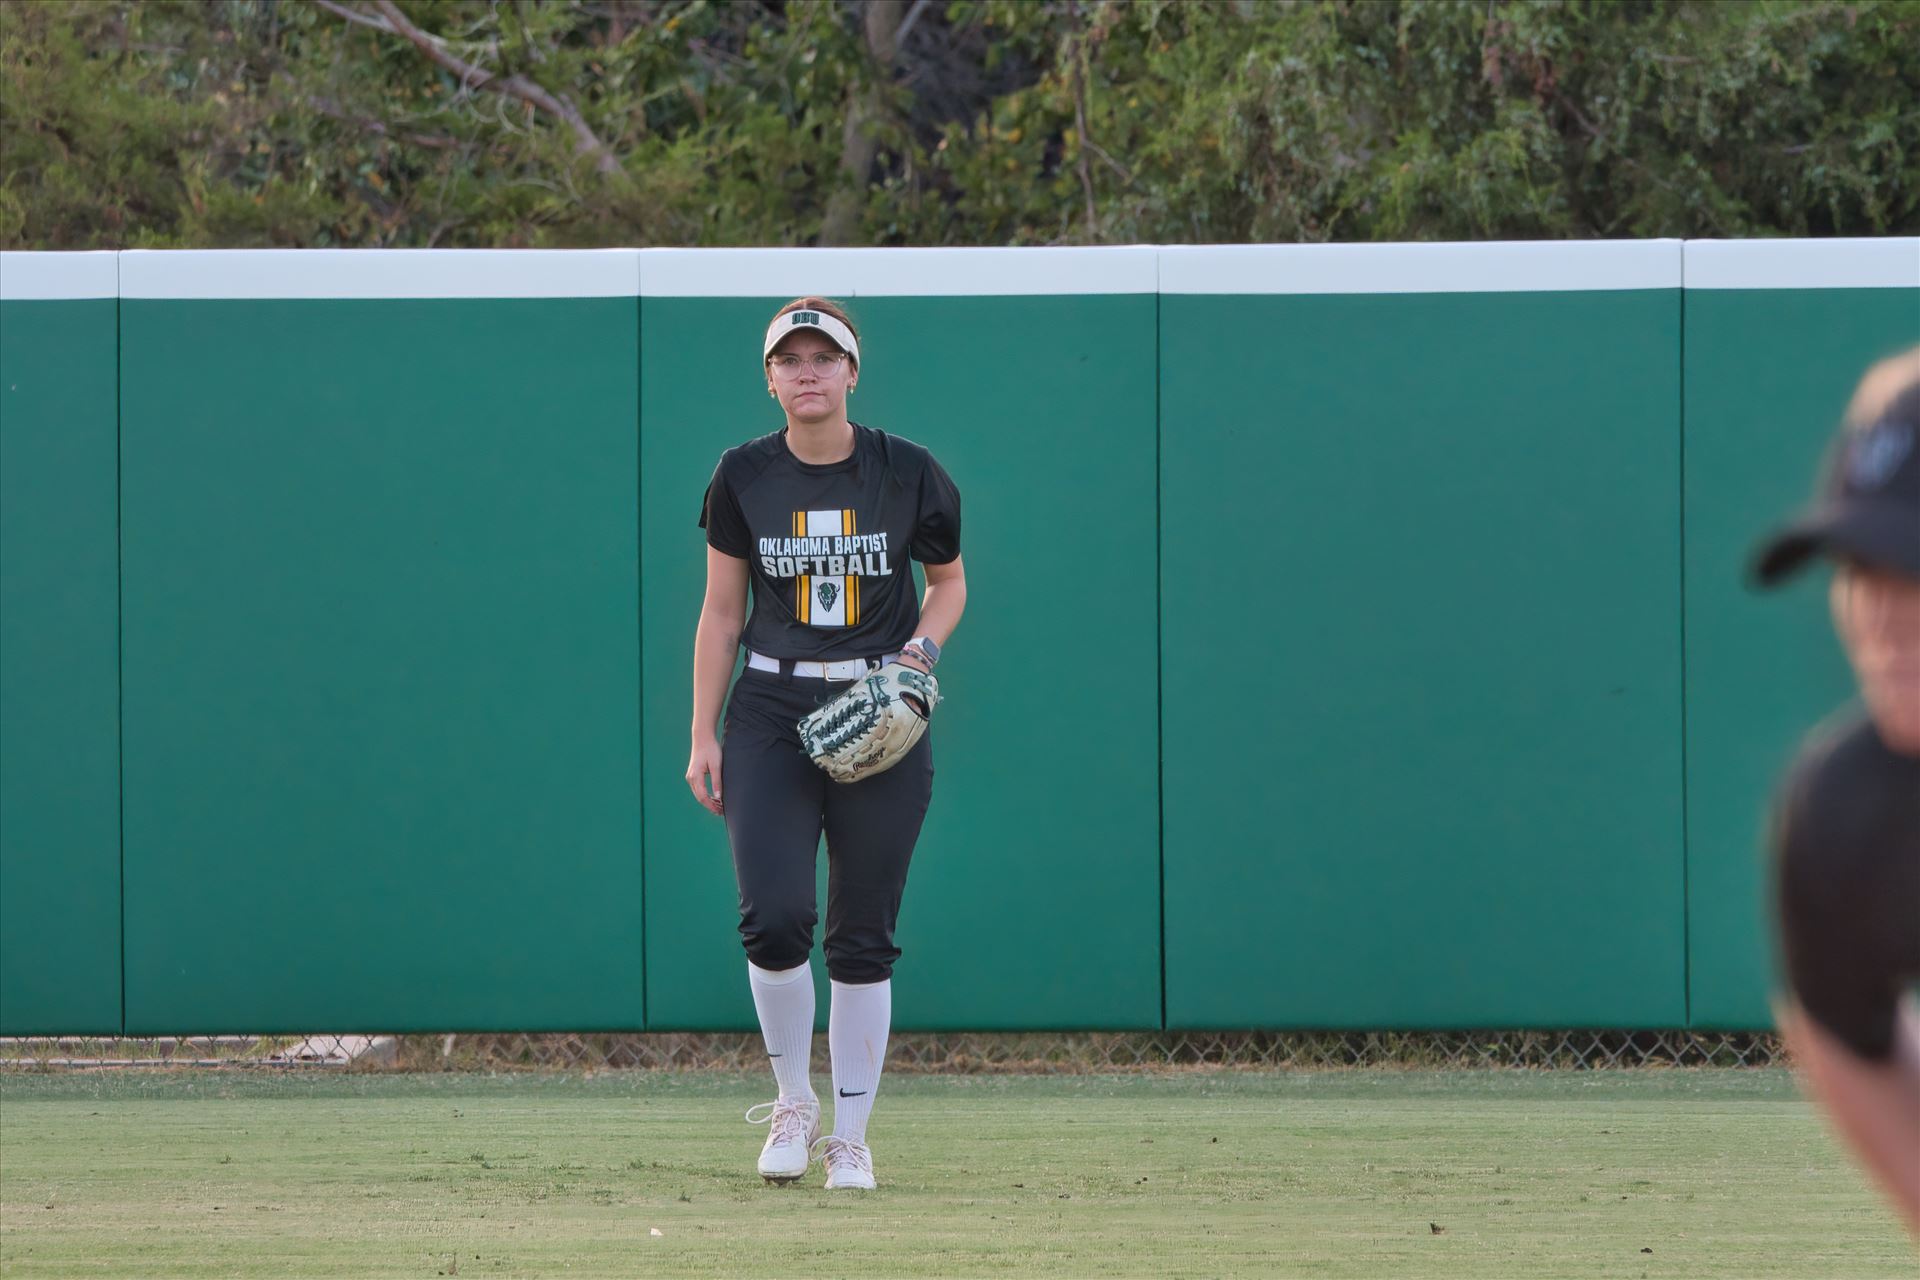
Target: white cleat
{"points": [[849, 1164], [795, 1127]]}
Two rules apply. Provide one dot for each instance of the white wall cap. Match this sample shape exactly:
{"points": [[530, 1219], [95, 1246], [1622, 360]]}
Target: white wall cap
{"points": [[1524, 266], [380, 273], [884, 273], [1887, 262], [54, 277]]}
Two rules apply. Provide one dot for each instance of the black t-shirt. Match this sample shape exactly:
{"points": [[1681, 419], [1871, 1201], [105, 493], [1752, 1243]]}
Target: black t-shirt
{"points": [[1846, 843], [828, 544]]}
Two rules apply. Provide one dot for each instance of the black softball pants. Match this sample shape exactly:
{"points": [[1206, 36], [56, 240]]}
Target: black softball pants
{"points": [[778, 802]]}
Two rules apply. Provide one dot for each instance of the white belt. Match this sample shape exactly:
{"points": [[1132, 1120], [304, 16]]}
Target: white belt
{"points": [[849, 669]]}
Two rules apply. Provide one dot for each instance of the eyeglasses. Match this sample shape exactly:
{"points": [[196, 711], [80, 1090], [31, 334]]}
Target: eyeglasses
{"points": [[823, 363]]}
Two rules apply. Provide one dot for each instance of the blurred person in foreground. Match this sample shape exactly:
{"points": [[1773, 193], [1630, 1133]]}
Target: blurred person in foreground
{"points": [[1846, 829]]}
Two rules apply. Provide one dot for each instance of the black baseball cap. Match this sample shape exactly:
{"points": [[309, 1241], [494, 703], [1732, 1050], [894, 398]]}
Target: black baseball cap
{"points": [[1868, 505]]}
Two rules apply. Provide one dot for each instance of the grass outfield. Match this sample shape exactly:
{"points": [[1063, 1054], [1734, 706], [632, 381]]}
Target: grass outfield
{"points": [[1651, 1173]]}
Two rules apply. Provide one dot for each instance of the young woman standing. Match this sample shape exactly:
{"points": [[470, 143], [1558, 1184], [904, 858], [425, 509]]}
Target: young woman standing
{"points": [[820, 521]]}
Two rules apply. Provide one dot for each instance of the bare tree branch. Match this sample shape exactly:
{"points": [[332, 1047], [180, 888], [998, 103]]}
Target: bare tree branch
{"points": [[471, 76], [380, 128], [1080, 130], [355, 16], [490, 47], [865, 108], [516, 85], [906, 23], [1112, 164]]}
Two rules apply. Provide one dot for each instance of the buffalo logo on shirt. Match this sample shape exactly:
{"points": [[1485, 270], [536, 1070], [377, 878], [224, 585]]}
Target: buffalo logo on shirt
{"points": [[828, 559]]}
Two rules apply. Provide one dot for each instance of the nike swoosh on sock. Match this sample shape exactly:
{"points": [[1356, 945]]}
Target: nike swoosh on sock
{"points": [[858, 1093]]}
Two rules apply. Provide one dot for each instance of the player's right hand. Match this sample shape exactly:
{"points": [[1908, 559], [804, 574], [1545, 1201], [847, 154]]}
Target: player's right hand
{"points": [[702, 765]]}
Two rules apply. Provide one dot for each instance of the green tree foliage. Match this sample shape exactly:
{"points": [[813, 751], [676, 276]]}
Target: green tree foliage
{"points": [[578, 122]]}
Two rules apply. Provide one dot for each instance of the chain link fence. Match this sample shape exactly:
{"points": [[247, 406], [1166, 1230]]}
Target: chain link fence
{"points": [[1059, 1053]]}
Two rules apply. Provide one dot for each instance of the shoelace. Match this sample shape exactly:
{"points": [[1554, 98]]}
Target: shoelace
{"points": [[842, 1151], [788, 1116]]}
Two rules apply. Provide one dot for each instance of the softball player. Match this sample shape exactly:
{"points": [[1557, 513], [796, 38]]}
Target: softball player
{"points": [[1846, 838], [821, 520]]}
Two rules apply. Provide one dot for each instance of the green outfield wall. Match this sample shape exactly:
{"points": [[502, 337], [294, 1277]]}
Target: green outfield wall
{"points": [[1420, 524], [381, 615], [1776, 337], [59, 645], [1356, 634]]}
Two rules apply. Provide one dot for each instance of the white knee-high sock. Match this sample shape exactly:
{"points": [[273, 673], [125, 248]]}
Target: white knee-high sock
{"points": [[857, 1026], [784, 1000]]}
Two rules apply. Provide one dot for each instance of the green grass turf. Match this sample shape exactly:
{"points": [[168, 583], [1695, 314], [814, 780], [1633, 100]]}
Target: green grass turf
{"points": [[1314, 1174]]}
